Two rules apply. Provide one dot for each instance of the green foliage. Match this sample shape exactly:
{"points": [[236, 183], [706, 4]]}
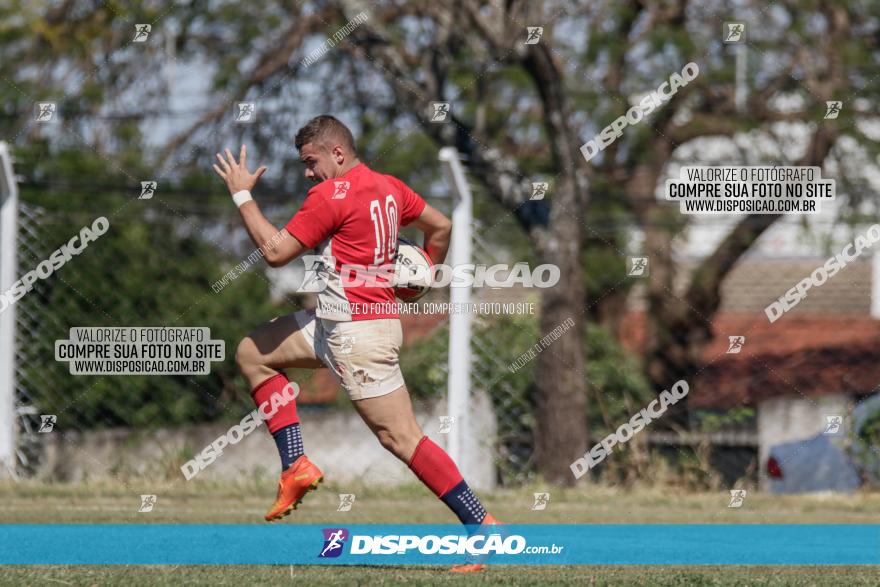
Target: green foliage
{"points": [[613, 376], [615, 380], [869, 433], [149, 269], [867, 447], [424, 364], [616, 387], [736, 417], [604, 273]]}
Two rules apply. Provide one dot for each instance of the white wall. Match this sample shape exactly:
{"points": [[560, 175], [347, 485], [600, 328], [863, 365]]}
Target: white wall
{"points": [[337, 441]]}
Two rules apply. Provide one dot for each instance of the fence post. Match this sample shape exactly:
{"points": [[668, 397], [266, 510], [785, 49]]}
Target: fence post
{"points": [[459, 379], [8, 270]]}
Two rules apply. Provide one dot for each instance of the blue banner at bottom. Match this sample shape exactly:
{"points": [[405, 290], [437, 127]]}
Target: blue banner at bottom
{"points": [[568, 544]]}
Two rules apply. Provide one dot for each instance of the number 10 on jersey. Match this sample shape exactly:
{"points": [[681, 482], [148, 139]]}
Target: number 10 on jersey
{"points": [[385, 224]]}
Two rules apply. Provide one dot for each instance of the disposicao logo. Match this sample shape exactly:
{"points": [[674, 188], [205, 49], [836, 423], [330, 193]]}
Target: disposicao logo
{"points": [[334, 541]]}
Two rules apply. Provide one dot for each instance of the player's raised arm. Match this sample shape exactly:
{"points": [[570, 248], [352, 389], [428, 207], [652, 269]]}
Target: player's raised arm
{"points": [[278, 246], [437, 228]]}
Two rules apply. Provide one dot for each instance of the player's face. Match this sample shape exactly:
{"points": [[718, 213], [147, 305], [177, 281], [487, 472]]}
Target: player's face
{"points": [[321, 163]]}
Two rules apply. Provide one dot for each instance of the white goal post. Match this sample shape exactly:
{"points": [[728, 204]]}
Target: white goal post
{"points": [[460, 356], [8, 270]]}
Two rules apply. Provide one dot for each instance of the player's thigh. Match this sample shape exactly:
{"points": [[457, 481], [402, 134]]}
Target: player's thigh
{"points": [[391, 412], [282, 343]]}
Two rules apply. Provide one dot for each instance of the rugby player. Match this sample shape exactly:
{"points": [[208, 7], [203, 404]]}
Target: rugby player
{"points": [[351, 217]]}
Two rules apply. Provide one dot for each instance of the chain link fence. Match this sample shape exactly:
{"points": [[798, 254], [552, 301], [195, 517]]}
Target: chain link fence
{"points": [[83, 293], [30, 350], [127, 278], [90, 291], [147, 270], [514, 443]]}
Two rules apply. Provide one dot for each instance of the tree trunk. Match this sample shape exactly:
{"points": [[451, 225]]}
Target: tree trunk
{"points": [[671, 329], [561, 399], [560, 410]]}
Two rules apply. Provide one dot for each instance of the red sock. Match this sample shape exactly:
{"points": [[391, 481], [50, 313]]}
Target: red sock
{"points": [[274, 389], [434, 468]]}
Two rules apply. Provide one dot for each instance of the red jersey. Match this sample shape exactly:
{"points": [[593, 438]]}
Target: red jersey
{"points": [[353, 221]]}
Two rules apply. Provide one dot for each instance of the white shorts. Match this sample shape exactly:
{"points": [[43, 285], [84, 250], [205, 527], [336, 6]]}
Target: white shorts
{"points": [[362, 355]]}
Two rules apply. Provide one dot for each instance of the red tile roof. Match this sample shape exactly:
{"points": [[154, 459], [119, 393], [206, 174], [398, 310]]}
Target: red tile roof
{"points": [[798, 355]]}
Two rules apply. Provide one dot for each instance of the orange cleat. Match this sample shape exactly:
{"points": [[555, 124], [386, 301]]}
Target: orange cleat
{"points": [[300, 478], [468, 568], [474, 567]]}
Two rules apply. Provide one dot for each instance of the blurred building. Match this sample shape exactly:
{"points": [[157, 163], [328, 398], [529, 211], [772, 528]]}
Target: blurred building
{"points": [[818, 361]]}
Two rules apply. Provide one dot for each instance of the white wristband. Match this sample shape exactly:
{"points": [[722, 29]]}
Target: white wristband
{"points": [[241, 197]]}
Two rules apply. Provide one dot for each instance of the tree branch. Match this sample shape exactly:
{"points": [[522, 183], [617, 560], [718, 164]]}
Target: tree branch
{"points": [[271, 62]]}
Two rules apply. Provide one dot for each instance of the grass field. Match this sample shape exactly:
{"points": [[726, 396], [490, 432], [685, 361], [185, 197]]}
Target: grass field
{"points": [[205, 503]]}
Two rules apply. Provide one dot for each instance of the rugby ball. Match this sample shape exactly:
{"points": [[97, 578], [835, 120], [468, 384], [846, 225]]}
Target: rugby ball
{"points": [[412, 271]]}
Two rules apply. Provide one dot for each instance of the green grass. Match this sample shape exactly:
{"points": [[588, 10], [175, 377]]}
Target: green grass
{"points": [[497, 575], [201, 502]]}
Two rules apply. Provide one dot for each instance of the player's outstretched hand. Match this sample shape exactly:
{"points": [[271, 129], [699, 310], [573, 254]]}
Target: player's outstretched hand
{"points": [[236, 174]]}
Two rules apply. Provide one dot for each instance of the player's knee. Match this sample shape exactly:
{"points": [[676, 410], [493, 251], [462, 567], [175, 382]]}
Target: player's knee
{"points": [[397, 442], [387, 439], [247, 355]]}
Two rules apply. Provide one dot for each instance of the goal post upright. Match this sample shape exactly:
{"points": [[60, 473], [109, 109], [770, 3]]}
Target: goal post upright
{"points": [[8, 270], [460, 356]]}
